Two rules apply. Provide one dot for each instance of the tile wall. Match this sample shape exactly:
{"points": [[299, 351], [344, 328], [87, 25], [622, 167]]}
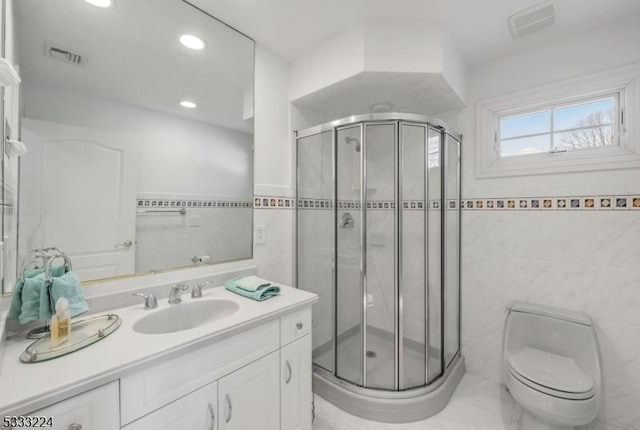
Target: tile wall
{"points": [[212, 229], [583, 259]]}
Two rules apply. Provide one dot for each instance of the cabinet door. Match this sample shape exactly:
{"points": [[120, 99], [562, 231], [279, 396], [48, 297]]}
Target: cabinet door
{"points": [[250, 397], [97, 409], [196, 411], [296, 393]]}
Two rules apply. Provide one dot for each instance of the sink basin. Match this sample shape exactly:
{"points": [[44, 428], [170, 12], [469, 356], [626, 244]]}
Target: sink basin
{"points": [[185, 316]]}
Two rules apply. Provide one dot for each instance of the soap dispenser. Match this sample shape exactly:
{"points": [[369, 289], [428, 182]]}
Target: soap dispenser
{"points": [[60, 323]]}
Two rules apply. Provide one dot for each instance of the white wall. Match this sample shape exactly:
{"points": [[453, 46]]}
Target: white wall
{"points": [[578, 260], [274, 166], [176, 155]]}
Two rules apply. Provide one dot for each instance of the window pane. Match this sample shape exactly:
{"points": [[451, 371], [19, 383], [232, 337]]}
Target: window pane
{"points": [[522, 125], [525, 145], [593, 113], [584, 138]]}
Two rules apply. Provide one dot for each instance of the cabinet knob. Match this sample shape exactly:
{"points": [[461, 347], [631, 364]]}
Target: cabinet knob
{"points": [[299, 325], [75, 426]]}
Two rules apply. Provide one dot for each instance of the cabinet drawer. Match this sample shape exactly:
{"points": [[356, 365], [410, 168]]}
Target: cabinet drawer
{"points": [[94, 410], [159, 385], [198, 410], [295, 325]]}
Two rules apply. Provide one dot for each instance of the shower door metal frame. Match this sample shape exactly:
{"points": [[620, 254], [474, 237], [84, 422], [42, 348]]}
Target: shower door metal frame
{"points": [[398, 120]]}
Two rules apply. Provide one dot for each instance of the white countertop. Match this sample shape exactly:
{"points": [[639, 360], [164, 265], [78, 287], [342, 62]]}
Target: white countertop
{"points": [[25, 388]]}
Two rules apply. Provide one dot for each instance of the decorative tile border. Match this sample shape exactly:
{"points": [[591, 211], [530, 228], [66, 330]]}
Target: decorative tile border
{"points": [[588, 203], [200, 204], [273, 202], [418, 205]]}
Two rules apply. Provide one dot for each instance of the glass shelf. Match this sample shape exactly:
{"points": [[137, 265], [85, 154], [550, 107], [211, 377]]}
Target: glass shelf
{"points": [[83, 333]]}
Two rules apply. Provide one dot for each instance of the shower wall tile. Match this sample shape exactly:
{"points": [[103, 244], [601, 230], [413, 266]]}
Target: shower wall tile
{"points": [[581, 259]]}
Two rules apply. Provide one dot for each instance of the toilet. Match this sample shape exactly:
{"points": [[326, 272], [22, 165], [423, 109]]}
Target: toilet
{"points": [[551, 364]]}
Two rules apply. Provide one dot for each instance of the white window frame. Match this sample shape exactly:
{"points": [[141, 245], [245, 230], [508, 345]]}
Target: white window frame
{"points": [[625, 81]]}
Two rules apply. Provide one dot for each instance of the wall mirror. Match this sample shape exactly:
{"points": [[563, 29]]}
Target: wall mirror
{"points": [[137, 116]]}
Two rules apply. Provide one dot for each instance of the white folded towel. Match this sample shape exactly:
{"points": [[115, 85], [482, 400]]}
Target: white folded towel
{"points": [[8, 75]]}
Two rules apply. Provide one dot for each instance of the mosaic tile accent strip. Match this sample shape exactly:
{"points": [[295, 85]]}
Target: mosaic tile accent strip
{"points": [[161, 203], [315, 204], [554, 203], [274, 202], [381, 205], [418, 205]]}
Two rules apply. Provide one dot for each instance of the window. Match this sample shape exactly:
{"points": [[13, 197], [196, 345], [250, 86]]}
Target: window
{"points": [[576, 125], [586, 124]]}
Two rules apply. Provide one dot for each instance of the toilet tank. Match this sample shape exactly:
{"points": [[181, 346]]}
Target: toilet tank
{"points": [[560, 331]]}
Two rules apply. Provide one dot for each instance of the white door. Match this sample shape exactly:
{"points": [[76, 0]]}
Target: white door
{"points": [[84, 182], [295, 377], [249, 398], [196, 411]]}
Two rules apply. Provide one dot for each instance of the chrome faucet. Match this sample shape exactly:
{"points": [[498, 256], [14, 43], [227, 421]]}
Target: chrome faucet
{"points": [[176, 292], [196, 291]]}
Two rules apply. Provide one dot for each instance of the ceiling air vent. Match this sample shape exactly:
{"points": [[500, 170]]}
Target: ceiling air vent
{"points": [[63, 54], [532, 19]]}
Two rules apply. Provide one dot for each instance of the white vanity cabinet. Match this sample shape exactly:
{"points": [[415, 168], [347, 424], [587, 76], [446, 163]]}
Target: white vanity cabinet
{"points": [[249, 397], [196, 411], [295, 392], [257, 377], [97, 409]]}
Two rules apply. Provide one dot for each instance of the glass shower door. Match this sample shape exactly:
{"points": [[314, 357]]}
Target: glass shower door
{"points": [[381, 337], [413, 257], [350, 316]]}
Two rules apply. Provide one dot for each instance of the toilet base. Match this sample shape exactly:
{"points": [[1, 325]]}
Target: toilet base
{"points": [[529, 422]]}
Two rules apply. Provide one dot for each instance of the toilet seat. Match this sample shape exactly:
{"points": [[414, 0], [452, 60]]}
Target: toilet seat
{"points": [[551, 374]]}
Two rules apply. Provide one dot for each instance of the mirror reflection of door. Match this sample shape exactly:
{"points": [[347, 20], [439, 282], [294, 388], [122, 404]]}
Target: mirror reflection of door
{"points": [[78, 188]]}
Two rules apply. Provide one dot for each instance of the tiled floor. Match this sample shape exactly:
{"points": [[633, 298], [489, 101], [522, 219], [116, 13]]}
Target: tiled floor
{"points": [[477, 404]]}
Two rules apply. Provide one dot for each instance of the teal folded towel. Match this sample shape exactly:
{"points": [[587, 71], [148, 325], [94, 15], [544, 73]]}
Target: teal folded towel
{"points": [[259, 295], [252, 283]]}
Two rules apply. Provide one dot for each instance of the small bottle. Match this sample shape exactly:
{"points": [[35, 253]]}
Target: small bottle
{"points": [[60, 323]]}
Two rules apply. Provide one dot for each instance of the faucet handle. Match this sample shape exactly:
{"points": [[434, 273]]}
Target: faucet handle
{"points": [[196, 291], [176, 291], [150, 301]]}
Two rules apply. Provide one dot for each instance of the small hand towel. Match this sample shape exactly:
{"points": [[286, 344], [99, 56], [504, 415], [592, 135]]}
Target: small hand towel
{"points": [[34, 291], [68, 286], [258, 295], [252, 283]]}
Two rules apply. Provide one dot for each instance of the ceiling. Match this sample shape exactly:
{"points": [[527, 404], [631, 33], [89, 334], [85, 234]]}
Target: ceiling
{"points": [[479, 28], [134, 56]]}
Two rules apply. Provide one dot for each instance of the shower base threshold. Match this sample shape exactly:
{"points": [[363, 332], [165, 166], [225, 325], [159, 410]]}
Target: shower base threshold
{"points": [[390, 406]]}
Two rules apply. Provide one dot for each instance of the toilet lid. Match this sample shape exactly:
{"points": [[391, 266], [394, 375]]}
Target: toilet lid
{"points": [[552, 371]]}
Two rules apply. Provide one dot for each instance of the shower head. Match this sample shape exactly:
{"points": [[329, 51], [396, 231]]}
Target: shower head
{"points": [[349, 140]]}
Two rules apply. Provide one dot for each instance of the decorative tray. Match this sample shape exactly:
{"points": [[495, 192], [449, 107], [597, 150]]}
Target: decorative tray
{"points": [[83, 333]]}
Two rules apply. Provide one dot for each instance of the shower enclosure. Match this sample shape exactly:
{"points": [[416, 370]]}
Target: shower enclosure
{"points": [[378, 239]]}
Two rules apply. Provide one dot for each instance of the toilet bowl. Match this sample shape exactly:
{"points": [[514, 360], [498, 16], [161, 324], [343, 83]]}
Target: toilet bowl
{"points": [[551, 364]]}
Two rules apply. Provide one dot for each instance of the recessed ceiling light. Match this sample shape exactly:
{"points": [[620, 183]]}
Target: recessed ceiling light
{"points": [[192, 42], [100, 3], [188, 104]]}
